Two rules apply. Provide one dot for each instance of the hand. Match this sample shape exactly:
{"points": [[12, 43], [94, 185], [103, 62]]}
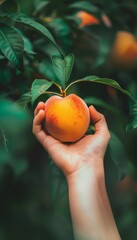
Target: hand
{"points": [[87, 152], [82, 164]]}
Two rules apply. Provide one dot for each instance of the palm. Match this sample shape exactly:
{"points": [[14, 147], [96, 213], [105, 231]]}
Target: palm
{"points": [[70, 157]]}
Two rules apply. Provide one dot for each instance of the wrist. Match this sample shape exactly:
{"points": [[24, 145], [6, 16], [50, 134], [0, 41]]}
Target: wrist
{"points": [[91, 172]]}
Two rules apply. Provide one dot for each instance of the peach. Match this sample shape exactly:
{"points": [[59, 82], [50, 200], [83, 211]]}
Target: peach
{"points": [[66, 118], [124, 51], [87, 19]]}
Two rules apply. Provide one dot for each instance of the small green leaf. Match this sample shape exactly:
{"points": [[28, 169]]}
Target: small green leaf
{"points": [[69, 61], [63, 68], [132, 120], [39, 86], [21, 18], [83, 5], [11, 45]]}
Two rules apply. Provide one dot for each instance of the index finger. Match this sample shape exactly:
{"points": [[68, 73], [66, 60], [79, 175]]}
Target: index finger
{"points": [[40, 106]]}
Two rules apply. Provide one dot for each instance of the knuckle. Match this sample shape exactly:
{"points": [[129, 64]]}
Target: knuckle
{"points": [[102, 117], [108, 135]]}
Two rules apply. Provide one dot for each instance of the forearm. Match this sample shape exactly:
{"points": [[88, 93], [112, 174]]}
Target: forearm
{"points": [[90, 208]]}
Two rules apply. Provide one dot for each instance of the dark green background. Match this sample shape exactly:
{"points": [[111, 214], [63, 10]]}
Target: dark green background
{"points": [[33, 191]]}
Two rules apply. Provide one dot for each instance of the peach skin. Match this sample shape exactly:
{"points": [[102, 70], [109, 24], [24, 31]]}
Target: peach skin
{"points": [[66, 119]]}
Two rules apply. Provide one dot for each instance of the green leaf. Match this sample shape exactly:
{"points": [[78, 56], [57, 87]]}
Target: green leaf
{"points": [[40, 7], [24, 100], [132, 120], [21, 18], [28, 48], [62, 28], [105, 42], [9, 6], [83, 5], [63, 68], [106, 81], [109, 82], [118, 155], [11, 45], [39, 86]]}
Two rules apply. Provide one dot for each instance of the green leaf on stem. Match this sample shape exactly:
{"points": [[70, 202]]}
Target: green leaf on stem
{"points": [[24, 100], [40, 7], [63, 68], [22, 19], [12, 45], [39, 86], [9, 6], [84, 5], [106, 81]]}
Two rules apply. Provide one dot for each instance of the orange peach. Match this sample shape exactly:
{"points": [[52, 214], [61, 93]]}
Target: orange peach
{"points": [[87, 19], [124, 51], [66, 118]]}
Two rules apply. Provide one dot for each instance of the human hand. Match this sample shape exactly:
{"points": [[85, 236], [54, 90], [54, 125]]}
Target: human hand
{"points": [[71, 157]]}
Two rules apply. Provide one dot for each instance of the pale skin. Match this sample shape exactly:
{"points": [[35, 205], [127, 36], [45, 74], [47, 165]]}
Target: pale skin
{"points": [[82, 165]]}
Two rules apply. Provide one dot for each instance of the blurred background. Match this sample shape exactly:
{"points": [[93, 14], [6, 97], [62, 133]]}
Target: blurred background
{"points": [[102, 36]]}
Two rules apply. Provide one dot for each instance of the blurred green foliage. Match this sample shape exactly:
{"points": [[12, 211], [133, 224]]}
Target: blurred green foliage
{"points": [[33, 191]]}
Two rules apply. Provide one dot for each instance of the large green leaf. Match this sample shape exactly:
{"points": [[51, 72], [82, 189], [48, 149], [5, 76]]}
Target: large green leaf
{"points": [[63, 68], [118, 155], [105, 40], [11, 45], [84, 5], [106, 81], [39, 86], [28, 48], [9, 6], [21, 18], [63, 30], [40, 6], [24, 100], [132, 120]]}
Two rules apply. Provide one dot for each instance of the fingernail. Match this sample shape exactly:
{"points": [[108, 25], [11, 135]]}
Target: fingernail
{"points": [[93, 107]]}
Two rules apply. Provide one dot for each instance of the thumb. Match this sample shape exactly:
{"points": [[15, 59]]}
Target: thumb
{"points": [[99, 121]]}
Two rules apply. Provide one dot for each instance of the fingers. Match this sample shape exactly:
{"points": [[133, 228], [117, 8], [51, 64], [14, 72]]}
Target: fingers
{"points": [[99, 122], [37, 122], [41, 134], [39, 116], [40, 106]]}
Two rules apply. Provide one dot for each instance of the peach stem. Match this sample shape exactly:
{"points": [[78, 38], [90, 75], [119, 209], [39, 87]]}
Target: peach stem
{"points": [[50, 92]]}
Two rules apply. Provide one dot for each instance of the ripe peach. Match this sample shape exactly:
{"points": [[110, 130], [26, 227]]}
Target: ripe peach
{"points": [[87, 19], [124, 50], [66, 118]]}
